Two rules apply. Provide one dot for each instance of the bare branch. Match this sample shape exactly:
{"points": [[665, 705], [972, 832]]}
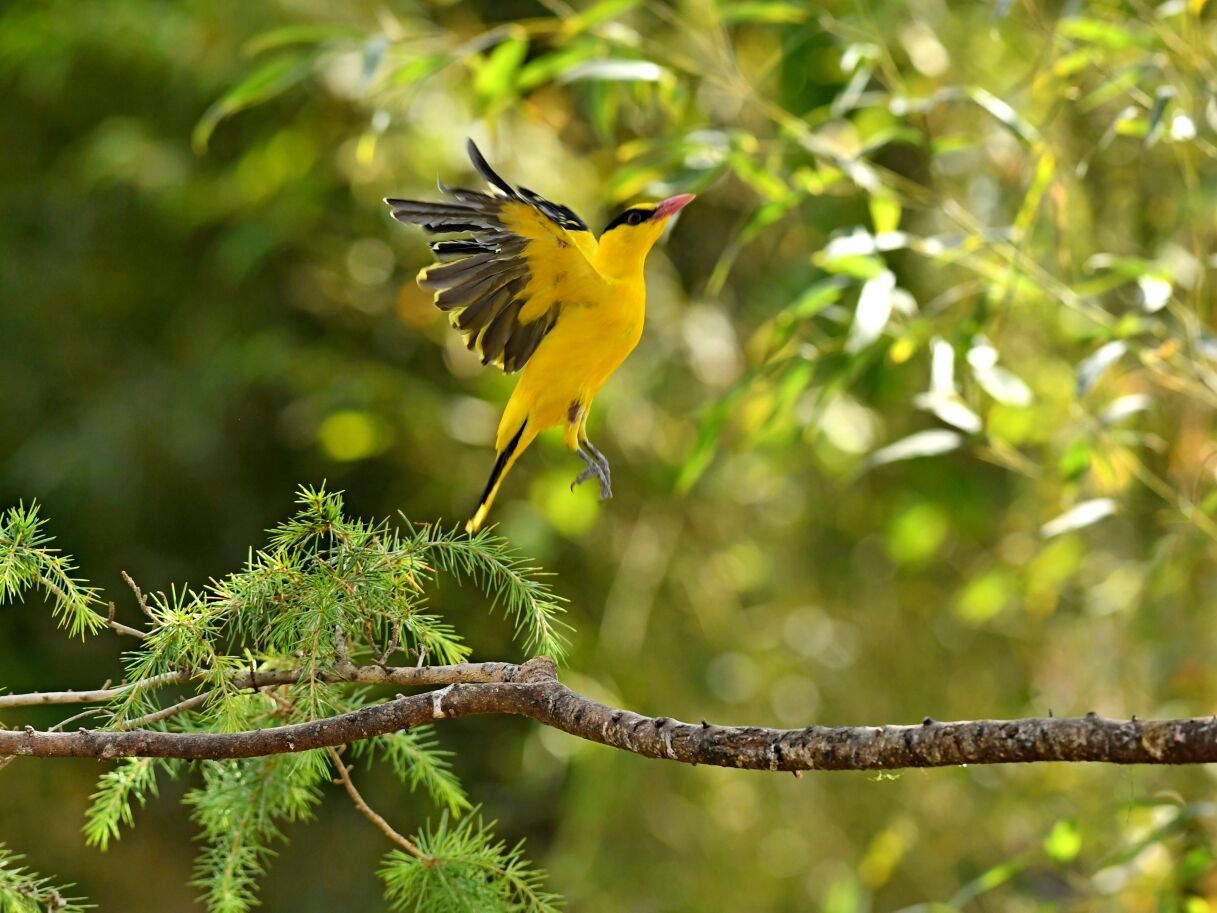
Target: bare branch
{"points": [[417, 676], [532, 690]]}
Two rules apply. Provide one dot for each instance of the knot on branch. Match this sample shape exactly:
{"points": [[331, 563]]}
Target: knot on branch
{"points": [[538, 671]]}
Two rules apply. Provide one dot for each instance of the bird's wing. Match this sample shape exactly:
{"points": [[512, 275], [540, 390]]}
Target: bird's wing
{"points": [[505, 284]]}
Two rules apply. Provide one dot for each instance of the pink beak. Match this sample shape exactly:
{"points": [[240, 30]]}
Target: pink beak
{"points": [[672, 205]]}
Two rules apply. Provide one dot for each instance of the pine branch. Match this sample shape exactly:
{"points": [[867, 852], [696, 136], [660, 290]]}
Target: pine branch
{"points": [[535, 692]]}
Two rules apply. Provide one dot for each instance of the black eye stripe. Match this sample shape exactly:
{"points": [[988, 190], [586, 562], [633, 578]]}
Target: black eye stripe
{"points": [[630, 217]]}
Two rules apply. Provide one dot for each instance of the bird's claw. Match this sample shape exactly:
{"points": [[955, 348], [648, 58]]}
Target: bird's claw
{"points": [[597, 468]]}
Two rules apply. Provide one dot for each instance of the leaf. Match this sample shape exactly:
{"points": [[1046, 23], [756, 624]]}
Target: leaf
{"points": [[615, 70], [999, 109], [919, 444], [951, 409], [1103, 32], [777, 12], [594, 15], [884, 212], [416, 70], [1004, 386], [268, 81], [1155, 293], [289, 35], [873, 311], [1090, 369], [494, 75], [1045, 169], [547, 67], [1122, 407], [1157, 115], [1079, 516]]}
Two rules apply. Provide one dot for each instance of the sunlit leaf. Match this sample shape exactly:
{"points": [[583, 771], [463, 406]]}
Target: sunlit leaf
{"points": [[268, 81], [774, 12], [1124, 406], [920, 444], [303, 33], [596, 14], [494, 75], [1155, 293], [1109, 33], [951, 409], [1093, 367], [873, 311], [553, 65], [610, 70], [1004, 386], [416, 69], [1002, 111], [884, 213], [1079, 516]]}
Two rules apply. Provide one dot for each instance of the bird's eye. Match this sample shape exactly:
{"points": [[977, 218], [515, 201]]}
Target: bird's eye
{"points": [[636, 218]]}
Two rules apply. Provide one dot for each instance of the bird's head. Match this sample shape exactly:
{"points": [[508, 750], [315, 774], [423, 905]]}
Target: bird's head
{"points": [[625, 241]]}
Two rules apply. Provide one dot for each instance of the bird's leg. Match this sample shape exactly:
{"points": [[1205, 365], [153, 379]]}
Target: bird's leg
{"points": [[606, 473], [593, 469], [597, 469], [576, 439]]}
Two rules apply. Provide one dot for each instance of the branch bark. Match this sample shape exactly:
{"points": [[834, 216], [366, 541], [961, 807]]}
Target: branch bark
{"points": [[533, 690]]}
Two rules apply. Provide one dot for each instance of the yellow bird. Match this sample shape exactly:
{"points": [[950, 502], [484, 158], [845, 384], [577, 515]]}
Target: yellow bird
{"points": [[530, 288]]}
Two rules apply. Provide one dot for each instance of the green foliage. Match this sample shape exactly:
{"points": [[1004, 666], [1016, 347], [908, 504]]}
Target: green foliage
{"points": [[132, 780], [27, 562], [464, 867], [921, 422], [326, 592], [23, 891]]}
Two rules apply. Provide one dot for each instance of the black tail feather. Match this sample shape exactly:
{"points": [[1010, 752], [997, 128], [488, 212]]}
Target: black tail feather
{"points": [[501, 464]]}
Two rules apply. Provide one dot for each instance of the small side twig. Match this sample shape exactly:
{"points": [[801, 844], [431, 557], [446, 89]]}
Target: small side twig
{"points": [[120, 628], [344, 774], [139, 596]]}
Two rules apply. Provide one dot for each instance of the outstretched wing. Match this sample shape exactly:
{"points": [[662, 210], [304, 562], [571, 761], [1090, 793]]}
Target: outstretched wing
{"points": [[502, 285]]}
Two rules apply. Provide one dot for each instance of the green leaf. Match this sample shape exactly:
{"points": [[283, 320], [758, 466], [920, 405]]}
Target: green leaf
{"points": [[301, 34], [494, 76], [596, 14], [778, 12], [416, 69], [1105, 32], [265, 83]]}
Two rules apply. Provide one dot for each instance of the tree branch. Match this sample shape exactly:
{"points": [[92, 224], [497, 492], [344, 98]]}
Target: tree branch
{"points": [[533, 690], [465, 673]]}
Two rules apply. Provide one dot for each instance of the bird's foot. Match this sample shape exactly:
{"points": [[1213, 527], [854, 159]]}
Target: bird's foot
{"points": [[597, 468]]}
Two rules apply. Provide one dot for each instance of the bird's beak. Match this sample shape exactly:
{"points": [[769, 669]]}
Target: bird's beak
{"points": [[672, 205]]}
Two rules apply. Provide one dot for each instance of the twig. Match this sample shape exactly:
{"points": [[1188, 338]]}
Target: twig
{"points": [[139, 596], [466, 673], [534, 691], [370, 813], [121, 628], [42, 698]]}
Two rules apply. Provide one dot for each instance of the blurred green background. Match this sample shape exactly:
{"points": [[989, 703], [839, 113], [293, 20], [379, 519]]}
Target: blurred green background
{"points": [[921, 423]]}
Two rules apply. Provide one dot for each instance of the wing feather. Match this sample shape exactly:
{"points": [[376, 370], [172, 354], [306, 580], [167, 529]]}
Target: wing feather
{"points": [[503, 286]]}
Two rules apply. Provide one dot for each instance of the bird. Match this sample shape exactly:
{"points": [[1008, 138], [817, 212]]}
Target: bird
{"points": [[531, 289]]}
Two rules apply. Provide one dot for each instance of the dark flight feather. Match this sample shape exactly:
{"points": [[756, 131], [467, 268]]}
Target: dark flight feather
{"points": [[479, 279]]}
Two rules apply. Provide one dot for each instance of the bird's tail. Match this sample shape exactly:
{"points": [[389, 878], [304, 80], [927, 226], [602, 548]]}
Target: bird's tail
{"points": [[506, 458]]}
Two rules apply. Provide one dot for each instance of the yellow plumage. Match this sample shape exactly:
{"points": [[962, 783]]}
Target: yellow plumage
{"points": [[534, 289]]}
